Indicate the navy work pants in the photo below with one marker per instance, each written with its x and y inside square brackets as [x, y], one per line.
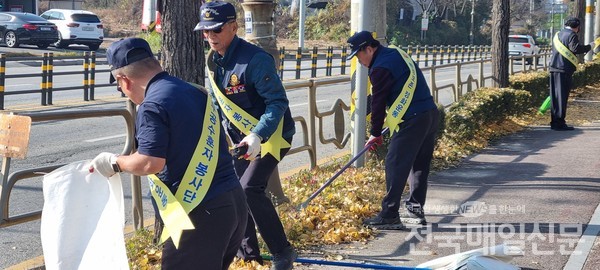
[254, 176]
[560, 87]
[409, 156]
[219, 229]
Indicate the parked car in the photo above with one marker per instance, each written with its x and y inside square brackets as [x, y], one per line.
[76, 27]
[521, 45]
[26, 28]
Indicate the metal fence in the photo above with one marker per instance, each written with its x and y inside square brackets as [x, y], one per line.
[332, 60]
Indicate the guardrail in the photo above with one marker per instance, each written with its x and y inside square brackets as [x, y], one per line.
[335, 59]
[8, 181]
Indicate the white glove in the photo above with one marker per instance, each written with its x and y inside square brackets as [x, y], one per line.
[253, 143]
[103, 164]
[593, 44]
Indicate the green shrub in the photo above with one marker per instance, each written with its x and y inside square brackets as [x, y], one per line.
[482, 107]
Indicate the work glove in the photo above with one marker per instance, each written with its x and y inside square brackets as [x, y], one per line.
[373, 142]
[103, 164]
[596, 48]
[253, 143]
[593, 44]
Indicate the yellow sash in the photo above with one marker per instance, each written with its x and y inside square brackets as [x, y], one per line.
[174, 209]
[244, 121]
[564, 51]
[398, 109]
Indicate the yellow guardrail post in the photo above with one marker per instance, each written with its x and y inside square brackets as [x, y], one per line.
[418, 51]
[298, 62]
[2, 79]
[344, 55]
[50, 72]
[434, 55]
[281, 60]
[329, 61]
[426, 52]
[455, 53]
[92, 81]
[313, 65]
[44, 79]
[86, 63]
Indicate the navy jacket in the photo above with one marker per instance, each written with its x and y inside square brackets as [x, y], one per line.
[559, 63]
[246, 74]
[388, 72]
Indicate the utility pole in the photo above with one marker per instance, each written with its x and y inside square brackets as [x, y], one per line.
[597, 21]
[365, 15]
[301, 23]
[589, 26]
[472, 22]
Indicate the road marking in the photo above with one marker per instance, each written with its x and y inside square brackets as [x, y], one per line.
[106, 138]
[585, 243]
[302, 104]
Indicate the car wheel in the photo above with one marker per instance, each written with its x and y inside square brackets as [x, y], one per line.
[43, 46]
[94, 47]
[60, 43]
[11, 39]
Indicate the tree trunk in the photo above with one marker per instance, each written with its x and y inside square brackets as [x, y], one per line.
[182, 47]
[500, 29]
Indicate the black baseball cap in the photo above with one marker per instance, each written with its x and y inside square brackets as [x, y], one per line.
[573, 22]
[125, 52]
[358, 41]
[214, 15]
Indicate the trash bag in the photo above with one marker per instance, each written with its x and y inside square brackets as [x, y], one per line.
[496, 257]
[82, 220]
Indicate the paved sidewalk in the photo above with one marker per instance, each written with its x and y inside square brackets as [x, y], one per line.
[538, 189]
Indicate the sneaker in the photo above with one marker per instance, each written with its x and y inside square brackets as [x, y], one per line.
[413, 217]
[284, 260]
[381, 223]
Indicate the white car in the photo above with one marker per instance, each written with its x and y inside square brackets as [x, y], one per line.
[520, 45]
[76, 27]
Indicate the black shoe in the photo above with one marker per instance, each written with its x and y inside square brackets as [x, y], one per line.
[284, 260]
[563, 127]
[413, 217]
[381, 223]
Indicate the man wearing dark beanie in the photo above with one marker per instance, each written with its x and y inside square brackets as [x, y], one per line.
[563, 64]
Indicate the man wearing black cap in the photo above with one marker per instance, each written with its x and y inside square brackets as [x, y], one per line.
[184, 153]
[563, 64]
[254, 105]
[413, 119]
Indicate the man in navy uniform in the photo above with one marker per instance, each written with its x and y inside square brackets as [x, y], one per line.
[254, 106]
[563, 63]
[413, 119]
[182, 149]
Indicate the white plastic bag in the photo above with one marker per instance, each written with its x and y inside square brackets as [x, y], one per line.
[495, 257]
[82, 220]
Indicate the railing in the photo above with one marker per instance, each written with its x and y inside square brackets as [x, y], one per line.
[333, 61]
[8, 181]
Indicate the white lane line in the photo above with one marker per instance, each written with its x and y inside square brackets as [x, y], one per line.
[106, 138]
[584, 246]
[303, 104]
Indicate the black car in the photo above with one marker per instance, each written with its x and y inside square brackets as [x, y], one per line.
[26, 28]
